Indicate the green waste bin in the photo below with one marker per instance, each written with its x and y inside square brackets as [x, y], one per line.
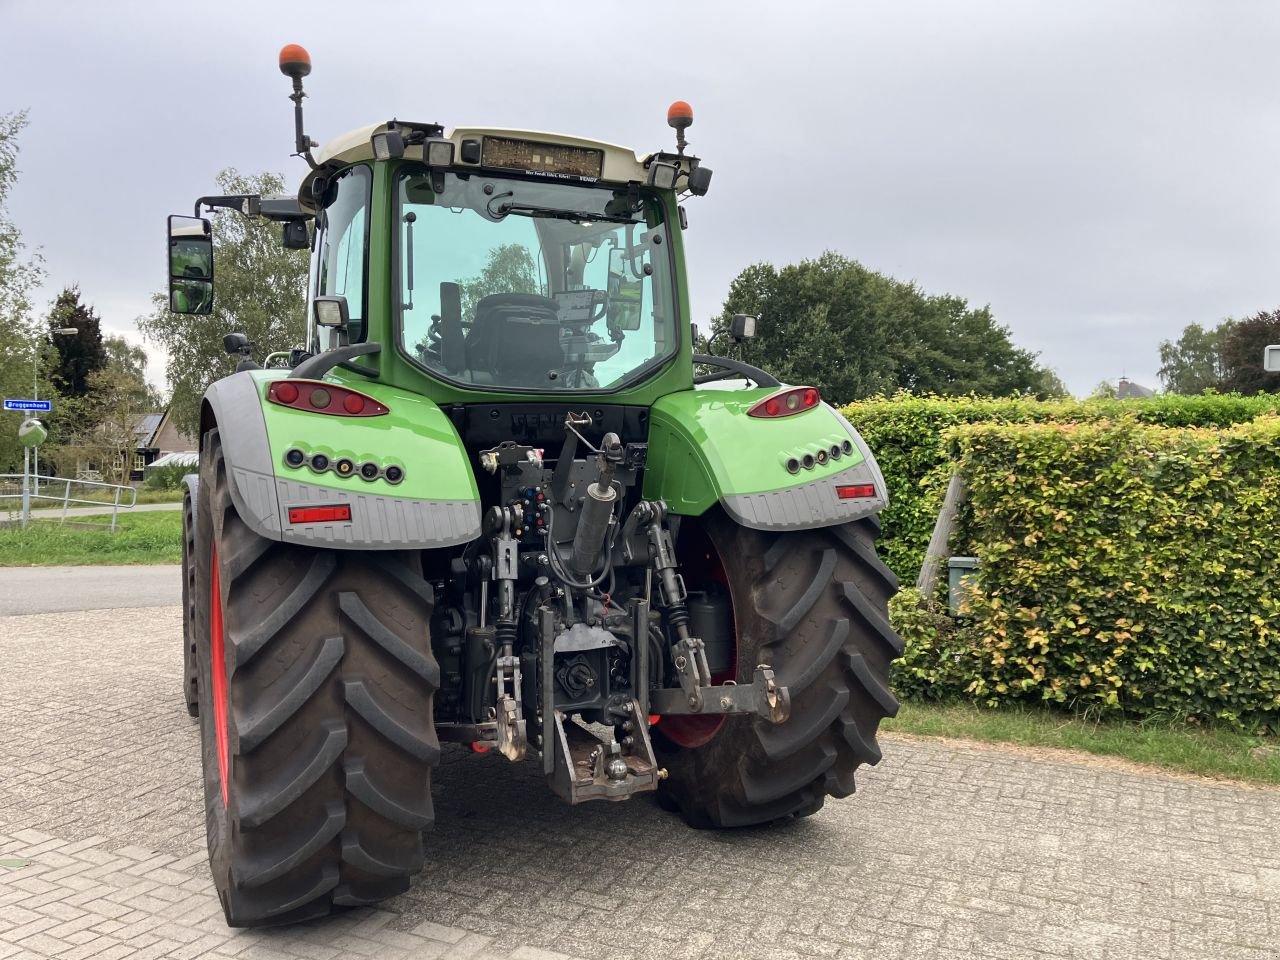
[962, 573]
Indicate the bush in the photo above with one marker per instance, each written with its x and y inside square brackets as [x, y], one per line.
[907, 435]
[937, 663]
[1125, 569]
[168, 477]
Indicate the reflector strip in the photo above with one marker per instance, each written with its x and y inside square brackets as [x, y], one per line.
[859, 491]
[338, 512]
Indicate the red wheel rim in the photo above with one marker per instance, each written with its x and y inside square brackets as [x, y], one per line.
[699, 556]
[218, 668]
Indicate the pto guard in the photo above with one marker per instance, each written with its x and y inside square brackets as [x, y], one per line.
[704, 449]
[436, 505]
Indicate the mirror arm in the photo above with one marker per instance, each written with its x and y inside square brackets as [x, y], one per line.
[244, 203]
[313, 368]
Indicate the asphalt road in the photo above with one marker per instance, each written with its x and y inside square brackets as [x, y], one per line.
[27, 590]
[947, 850]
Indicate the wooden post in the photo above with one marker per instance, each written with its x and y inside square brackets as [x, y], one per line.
[939, 543]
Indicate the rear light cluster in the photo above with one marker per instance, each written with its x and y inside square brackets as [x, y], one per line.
[344, 466]
[786, 403]
[819, 457]
[316, 396]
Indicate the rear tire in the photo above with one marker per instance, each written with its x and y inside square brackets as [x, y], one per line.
[814, 605]
[319, 786]
[190, 672]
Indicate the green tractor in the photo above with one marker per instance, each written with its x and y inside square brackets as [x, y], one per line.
[498, 500]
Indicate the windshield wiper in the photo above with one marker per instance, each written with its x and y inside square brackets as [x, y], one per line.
[554, 213]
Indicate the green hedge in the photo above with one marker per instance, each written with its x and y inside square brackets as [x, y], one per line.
[1125, 569]
[906, 434]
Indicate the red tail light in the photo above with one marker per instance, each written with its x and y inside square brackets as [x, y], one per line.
[316, 396]
[786, 402]
[337, 513]
[859, 491]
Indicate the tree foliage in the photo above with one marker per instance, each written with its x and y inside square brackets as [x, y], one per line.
[1226, 358]
[855, 333]
[1243, 343]
[510, 269]
[20, 274]
[1193, 363]
[260, 290]
[76, 356]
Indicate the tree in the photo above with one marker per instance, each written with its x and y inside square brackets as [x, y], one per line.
[1193, 363]
[20, 274]
[78, 355]
[1050, 386]
[260, 291]
[1241, 351]
[99, 426]
[510, 270]
[130, 361]
[852, 333]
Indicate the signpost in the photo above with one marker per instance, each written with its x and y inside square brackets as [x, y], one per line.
[29, 406]
[31, 433]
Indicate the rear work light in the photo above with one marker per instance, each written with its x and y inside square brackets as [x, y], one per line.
[331, 514]
[786, 402]
[316, 396]
[859, 491]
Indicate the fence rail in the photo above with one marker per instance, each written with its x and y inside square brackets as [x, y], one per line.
[56, 491]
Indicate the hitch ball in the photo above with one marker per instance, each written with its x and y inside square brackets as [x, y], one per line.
[616, 768]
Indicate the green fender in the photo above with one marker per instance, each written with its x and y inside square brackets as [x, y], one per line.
[435, 504]
[704, 449]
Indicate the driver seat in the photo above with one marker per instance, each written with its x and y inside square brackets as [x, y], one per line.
[516, 336]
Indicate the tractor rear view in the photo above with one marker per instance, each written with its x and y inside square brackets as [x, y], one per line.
[488, 502]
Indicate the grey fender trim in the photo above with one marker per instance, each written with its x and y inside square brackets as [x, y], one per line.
[813, 504]
[251, 476]
[192, 482]
[263, 500]
[378, 522]
[809, 505]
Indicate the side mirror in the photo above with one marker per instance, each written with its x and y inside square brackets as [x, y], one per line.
[699, 181]
[190, 265]
[626, 292]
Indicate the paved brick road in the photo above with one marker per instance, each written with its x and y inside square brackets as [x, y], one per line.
[946, 852]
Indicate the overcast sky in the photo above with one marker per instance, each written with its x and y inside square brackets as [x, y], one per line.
[1100, 172]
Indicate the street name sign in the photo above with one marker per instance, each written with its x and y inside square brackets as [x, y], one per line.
[44, 406]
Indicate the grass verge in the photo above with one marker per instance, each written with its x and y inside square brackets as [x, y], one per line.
[1212, 752]
[139, 538]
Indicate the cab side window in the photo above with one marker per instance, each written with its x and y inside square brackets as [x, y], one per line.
[344, 246]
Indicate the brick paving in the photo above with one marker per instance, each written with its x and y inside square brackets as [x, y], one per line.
[947, 851]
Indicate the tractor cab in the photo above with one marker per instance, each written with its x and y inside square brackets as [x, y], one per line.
[465, 260]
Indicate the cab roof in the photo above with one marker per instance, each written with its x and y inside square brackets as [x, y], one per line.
[621, 164]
